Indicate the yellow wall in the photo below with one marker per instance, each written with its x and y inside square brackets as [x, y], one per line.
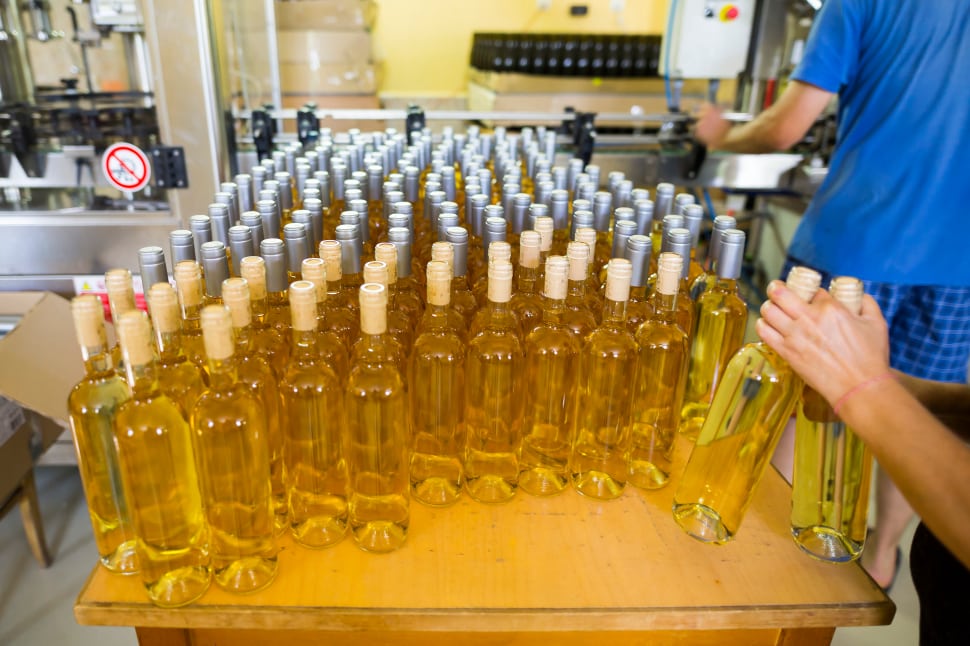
[424, 45]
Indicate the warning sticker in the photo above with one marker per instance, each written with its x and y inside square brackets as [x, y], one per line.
[126, 167]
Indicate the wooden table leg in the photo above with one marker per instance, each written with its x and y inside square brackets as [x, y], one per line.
[33, 525]
[806, 636]
[163, 637]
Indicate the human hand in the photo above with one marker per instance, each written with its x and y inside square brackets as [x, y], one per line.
[711, 128]
[832, 349]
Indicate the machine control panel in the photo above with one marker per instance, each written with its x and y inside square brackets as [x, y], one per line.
[707, 39]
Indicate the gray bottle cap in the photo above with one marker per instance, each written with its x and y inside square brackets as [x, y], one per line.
[406, 208]
[375, 178]
[581, 220]
[311, 192]
[520, 209]
[613, 179]
[448, 182]
[458, 238]
[594, 174]
[448, 207]
[582, 205]
[643, 211]
[302, 216]
[693, 217]
[400, 237]
[677, 241]
[201, 227]
[258, 174]
[391, 196]
[559, 178]
[151, 264]
[229, 195]
[495, 231]
[681, 200]
[623, 196]
[315, 207]
[313, 160]
[349, 217]
[485, 178]
[350, 248]
[664, 201]
[585, 191]
[395, 220]
[360, 206]
[575, 168]
[323, 177]
[537, 210]
[244, 183]
[219, 219]
[270, 217]
[721, 223]
[639, 194]
[624, 213]
[273, 252]
[216, 267]
[240, 244]
[338, 175]
[182, 243]
[446, 220]
[285, 189]
[411, 185]
[638, 251]
[622, 231]
[476, 214]
[559, 208]
[673, 221]
[731, 254]
[253, 220]
[602, 204]
[297, 246]
[433, 206]
[360, 176]
[544, 191]
[303, 172]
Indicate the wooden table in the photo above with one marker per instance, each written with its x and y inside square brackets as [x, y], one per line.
[565, 568]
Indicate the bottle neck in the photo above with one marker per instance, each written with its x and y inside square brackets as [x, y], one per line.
[170, 346]
[97, 361]
[223, 373]
[727, 285]
[527, 279]
[304, 342]
[259, 311]
[576, 289]
[665, 304]
[244, 339]
[614, 312]
[142, 379]
[552, 309]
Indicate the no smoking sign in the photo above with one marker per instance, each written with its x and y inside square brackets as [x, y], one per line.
[126, 167]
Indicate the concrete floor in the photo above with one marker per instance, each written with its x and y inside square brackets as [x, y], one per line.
[36, 604]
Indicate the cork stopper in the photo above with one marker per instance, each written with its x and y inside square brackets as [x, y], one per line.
[235, 294]
[121, 291]
[386, 252]
[163, 303]
[529, 247]
[619, 272]
[375, 271]
[445, 252]
[578, 254]
[315, 271]
[329, 250]
[373, 308]
[545, 227]
[135, 336]
[188, 279]
[217, 332]
[88, 315]
[586, 235]
[848, 291]
[439, 283]
[804, 282]
[253, 269]
[500, 282]
[499, 251]
[669, 267]
[303, 306]
[557, 270]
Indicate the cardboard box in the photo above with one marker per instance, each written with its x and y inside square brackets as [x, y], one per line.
[40, 362]
[329, 78]
[343, 15]
[322, 47]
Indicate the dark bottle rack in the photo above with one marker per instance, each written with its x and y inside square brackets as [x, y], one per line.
[591, 55]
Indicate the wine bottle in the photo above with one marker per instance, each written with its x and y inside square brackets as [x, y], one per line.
[314, 464]
[92, 406]
[830, 484]
[639, 308]
[493, 397]
[179, 378]
[604, 394]
[749, 411]
[377, 434]
[526, 304]
[231, 449]
[720, 317]
[269, 342]
[339, 315]
[399, 338]
[659, 383]
[709, 278]
[159, 478]
[549, 387]
[215, 269]
[578, 317]
[405, 301]
[188, 283]
[151, 265]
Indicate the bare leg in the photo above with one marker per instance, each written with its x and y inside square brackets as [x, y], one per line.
[893, 514]
[784, 458]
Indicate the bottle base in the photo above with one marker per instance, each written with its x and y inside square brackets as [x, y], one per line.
[248, 574]
[540, 481]
[701, 522]
[436, 492]
[179, 587]
[380, 536]
[647, 475]
[598, 485]
[690, 427]
[319, 532]
[826, 544]
[490, 489]
[124, 560]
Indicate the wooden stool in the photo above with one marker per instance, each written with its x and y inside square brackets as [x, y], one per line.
[26, 496]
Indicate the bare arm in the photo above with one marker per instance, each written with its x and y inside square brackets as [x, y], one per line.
[950, 403]
[835, 352]
[778, 128]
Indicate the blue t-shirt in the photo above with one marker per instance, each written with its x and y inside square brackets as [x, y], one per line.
[895, 207]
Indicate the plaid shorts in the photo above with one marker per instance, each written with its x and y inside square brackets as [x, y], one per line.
[929, 326]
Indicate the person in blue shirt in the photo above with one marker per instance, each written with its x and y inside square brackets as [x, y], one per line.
[894, 206]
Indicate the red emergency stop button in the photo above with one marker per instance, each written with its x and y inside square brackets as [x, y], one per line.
[729, 12]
